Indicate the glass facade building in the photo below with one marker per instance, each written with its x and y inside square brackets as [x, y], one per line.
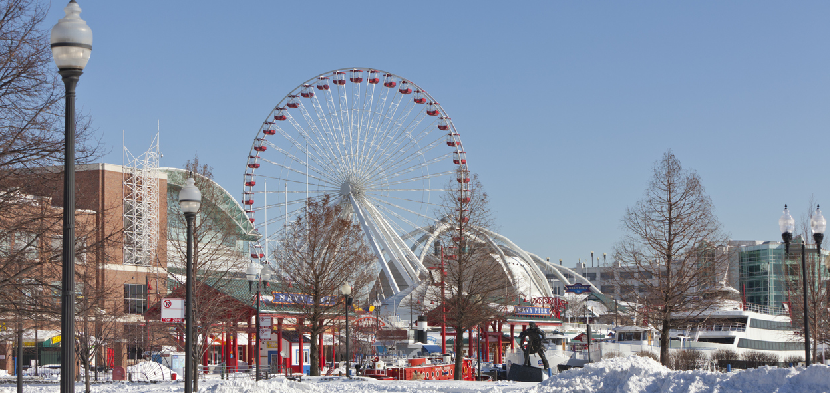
[766, 275]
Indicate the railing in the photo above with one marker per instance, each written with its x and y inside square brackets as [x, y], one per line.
[740, 327]
[595, 327]
[765, 309]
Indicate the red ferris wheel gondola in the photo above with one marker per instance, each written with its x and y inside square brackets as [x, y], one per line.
[307, 91]
[453, 139]
[356, 76]
[432, 109]
[418, 97]
[389, 81]
[281, 114]
[338, 78]
[293, 102]
[374, 77]
[323, 83]
[405, 88]
[253, 162]
[444, 123]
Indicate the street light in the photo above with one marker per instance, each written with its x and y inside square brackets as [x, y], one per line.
[256, 272]
[346, 290]
[190, 199]
[377, 304]
[818, 225]
[71, 41]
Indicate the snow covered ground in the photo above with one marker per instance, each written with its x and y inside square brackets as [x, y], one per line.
[618, 375]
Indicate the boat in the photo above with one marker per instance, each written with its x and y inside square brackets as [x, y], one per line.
[730, 324]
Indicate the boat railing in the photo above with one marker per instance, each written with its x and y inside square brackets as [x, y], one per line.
[761, 309]
[735, 327]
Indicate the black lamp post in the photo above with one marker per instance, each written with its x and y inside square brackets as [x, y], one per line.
[346, 290]
[256, 272]
[818, 225]
[190, 199]
[71, 41]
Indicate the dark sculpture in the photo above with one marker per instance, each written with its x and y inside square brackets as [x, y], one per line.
[534, 345]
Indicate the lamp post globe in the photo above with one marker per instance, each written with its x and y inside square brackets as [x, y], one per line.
[818, 224]
[346, 289]
[71, 42]
[787, 225]
[266, 273]
[190, 199]
[71, 39]
[251, 272]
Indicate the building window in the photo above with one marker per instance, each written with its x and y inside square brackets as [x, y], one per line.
[135, 298]
[607, 276]
[592, 276]
[626, 275]
[607, 289]
[27, 243]
[646, 275]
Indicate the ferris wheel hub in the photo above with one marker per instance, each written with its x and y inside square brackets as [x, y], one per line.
[351, 186]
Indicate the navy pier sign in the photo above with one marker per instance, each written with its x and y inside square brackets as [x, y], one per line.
[578, 288]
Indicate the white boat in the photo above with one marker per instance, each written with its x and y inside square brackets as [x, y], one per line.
[730, 325]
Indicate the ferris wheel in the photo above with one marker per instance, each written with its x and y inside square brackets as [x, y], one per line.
[378, 143]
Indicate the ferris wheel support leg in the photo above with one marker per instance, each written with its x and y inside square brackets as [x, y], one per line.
[384, 266]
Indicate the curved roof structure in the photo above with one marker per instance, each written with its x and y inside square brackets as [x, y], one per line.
[221, 198]
[527, 271]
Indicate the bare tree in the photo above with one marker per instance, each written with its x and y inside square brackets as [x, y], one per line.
[31, 136]
[218, 261]
[320, 251]
[671, 248]
[97, 321]
[473, 288]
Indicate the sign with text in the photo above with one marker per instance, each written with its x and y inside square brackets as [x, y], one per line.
[525, 310]
[578, 288]
[392, 335]
[172, 310]
[298, 298]
[265, 332]
[265, 321]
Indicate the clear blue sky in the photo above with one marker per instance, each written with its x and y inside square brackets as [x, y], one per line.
[563, 106]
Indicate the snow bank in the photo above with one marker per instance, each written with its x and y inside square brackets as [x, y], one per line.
[642, 374]
[149, 371]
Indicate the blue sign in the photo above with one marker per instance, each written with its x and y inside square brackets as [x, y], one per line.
[578, 288]
[525, 310]
[296, 298]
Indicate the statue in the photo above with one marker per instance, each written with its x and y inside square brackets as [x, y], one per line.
[534, 345]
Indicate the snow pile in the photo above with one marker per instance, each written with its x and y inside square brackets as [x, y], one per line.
[642, 374]
[149, 371]
[280, 385]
